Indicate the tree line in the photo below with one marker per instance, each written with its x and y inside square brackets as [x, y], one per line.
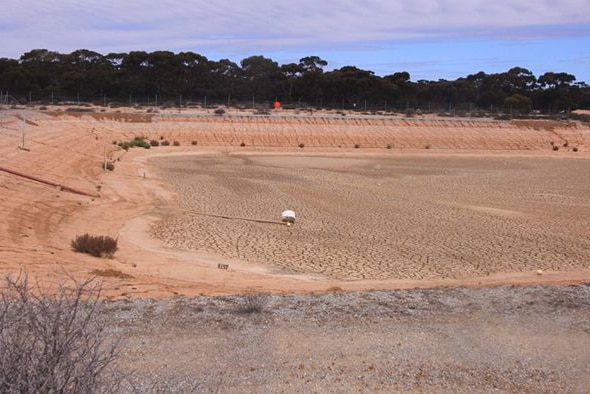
[164, 77]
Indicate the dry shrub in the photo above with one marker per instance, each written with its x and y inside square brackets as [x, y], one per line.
[95, 245]
[252, 303]
[55, 342]
[110, 273]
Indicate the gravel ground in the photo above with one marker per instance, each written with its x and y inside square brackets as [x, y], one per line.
[504, 339]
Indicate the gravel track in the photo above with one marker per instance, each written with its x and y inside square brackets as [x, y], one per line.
[504, 339]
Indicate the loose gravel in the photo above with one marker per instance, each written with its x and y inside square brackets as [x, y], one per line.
[504, 339]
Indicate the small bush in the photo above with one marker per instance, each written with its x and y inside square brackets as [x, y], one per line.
[252, 303]
[219, 111]
[389, 146]
[176, 143]
[302, 145]
[140, 143]
[575, 148]
[165, 143]
[356, 146]
[97, 246]
[193, 142]
[108, 166]
[555, 148]
[243, 144]
[427, 147]
[154, 143]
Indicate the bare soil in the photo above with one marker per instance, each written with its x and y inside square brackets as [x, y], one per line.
[454, 206]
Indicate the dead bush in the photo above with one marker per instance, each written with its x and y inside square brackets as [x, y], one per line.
[95, 245]
[55, 342]
[252, 303]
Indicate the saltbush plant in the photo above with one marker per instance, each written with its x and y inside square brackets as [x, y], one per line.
[95, 245]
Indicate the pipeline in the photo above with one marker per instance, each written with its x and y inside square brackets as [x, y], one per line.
[48, 182]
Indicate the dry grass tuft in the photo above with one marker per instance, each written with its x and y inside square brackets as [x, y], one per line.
[110, 273]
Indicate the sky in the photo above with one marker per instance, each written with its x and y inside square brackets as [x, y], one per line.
[430, 39]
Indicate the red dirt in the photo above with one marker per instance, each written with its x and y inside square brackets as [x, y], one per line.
[69, 150]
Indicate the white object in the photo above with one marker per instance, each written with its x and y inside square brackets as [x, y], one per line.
[288, 216]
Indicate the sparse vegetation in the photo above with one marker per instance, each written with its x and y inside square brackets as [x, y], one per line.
[55, 342]
[165, 143]
[137, 141]
[110, 273]
[301, 145]
[252, 303]
[555, 148]
[193, 142]
[108, 166]
[356, 146]
[141, 143]
[575, 149]
[219, 111]
[95, 245]
[242, 144]
[176, 143]
[154, 143]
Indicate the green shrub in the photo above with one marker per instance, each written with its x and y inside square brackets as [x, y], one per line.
[140, 143]
[95, 245]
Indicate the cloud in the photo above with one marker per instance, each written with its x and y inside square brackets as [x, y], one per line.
[237, 29]
[332, 21]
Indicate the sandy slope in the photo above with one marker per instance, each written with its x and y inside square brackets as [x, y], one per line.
[68, 149]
